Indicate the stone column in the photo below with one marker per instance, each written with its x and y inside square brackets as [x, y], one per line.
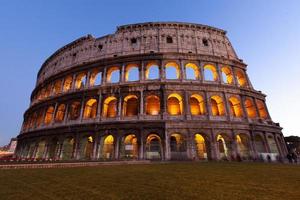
[201, 68]
[104, 75]
[245, 114]
[235, 81]
[162, 73]
[66, 113]
[256, 108]
[54, 113]
[122, 74]
[266, 143]
[164, 102]
[82, 109]
[99, 108]
[117, 144]
[141, 147]
[88, 74]
[187, 105]
[254, 152]
[95, 144]
[142, 72]
[213, 146]
[219, 73]
[73, 82]
[167, 146]
[207, 106]
[234, 146]
[119, 116]
[141, 114]
[227, 109]
[182, 71]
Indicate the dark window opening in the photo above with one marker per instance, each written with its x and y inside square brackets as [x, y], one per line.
[133, 40]
[100, 46]
[205, 42]
[169, 39]
[74, 54]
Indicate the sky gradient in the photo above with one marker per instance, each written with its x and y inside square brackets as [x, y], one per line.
[264, 33]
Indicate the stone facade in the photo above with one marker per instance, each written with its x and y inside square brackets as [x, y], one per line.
[208, 110]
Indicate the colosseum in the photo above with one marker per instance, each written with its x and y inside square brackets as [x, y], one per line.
[150, 91]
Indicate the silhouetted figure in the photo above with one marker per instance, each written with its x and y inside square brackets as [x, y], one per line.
[289, 157]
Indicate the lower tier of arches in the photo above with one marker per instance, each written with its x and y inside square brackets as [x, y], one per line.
[152, 143]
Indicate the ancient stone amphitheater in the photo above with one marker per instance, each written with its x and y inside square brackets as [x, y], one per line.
[163, 91]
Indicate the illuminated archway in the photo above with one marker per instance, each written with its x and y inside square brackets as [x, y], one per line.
[227, 75]
[217, 106]
[108, 147]
[132, 72]
[152, 105]
[153, 147]
[250, 108]
[57, 87]
[241, 78]
[86, 148]
[200, 143]
[191, 71]
[49, 115]
[113, 75]
[197, 105]
[90, 109]
[175, 104]
[172, 70]
[110, 107]
[80, 81]
[129, 147]
[60, 113]
[68, 148]
[243, 145]
[224, 146]
[261, 109]
[235, 107]
[152, 71]
[130, 106]
[67, 83]
[210, 73]
[95, 78]
[47, 90]
[177, 146]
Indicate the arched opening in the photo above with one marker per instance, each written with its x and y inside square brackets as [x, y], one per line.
[272, 144]
[261, 109]
[217, 106]
[235, 107]
[80, 81]
[95, 78]
[200, 143]
[49, 115]
[67, 83]
[108, 147]
[172, 70]
[259, 144]
[191, 71]
[250, 108]
[152, 105]
[57, 87]
[132, 72]
[129, 147]
[40, 149]
[48, 90]
[53, 148]
[241, 78]
[60, 113]
[178, 147]
[224, 146]
[197, 105]
[74, 112]
[68, 148]
[153, 147]
[110, 107]
[90, 109]
[243, 146]
[175, 104]
[130, 106]
[31, 150]
[210, 73]
[39, 120]
[86, 148]
[152, 71]
[32, 122]
[113, 75]
[227, 75]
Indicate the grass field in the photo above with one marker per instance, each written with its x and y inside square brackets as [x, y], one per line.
[155, 181]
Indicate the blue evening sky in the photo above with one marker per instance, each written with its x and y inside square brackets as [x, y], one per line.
[264, 33]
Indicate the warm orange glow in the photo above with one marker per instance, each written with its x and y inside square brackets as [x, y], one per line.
[211, 69]
[217, 106]
[235, 107]
[94, 76]
[175, 106]
[200, 146]
[250, 108]
[80, 81]
[191, 67]
[110, 107]
[130, 69]
[241, 78]
[67, 83]
[130, 105]
[152, 71]
[57, 87]
[49, 115]
[90, 110]
[131, 146]
[197, 105]
[109, 73]
[261, 109]
[242, 144]
[75, 110]
[227, 73]
[152, 105]
[60, 113]
[47, 91]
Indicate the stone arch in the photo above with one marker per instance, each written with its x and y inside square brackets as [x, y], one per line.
[243, 145]
[175, 104]
[250, 108]
[90, 109]
[227, 75]
[154, 149]
[178, 146]
[210, 73]
[129, 147]
[95, 78]
[259, 144]
[130, 106]
[241, 78]
[224, 146]
[272, 144]
[80, 80]
[113, 75]
[53, 146]
[132, 72]
[108, 147]
[261, 109]
[86, 147]
[74, 111]
[68, 148]
[172, 70]
[47, 90]
[49, 115]
[57, 87]
[217, 105]
[60, 113]
[41, 147]
[110, 107]
[152, 105]
[235, 107]
[197, 105]
[201, 146]
[152, 71]
[67, 83]
[192, 71]
[39, 119]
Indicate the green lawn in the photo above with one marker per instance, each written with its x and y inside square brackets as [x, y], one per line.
[155, 181]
